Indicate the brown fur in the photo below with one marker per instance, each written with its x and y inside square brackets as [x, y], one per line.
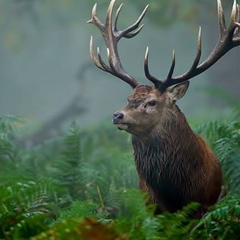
[142, 90]
[175, 165]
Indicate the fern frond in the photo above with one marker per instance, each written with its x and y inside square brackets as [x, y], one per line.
[12, 126]
[222, 222]
[68, 168]
[24, 200]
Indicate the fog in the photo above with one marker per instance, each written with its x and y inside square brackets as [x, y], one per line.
[47, 77]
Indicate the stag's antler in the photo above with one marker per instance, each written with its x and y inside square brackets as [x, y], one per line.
[111, 36]
[229, 38]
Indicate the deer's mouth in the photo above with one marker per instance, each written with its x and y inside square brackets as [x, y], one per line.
[122, 126]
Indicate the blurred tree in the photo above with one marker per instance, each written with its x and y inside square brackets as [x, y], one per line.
[54, 126]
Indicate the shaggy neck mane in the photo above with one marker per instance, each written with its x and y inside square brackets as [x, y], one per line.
[165, 147]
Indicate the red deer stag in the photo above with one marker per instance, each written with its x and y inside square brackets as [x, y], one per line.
[175, 166]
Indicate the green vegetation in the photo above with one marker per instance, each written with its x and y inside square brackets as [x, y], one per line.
[84, 186]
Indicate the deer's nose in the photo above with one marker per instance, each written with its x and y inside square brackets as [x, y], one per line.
[117, 116]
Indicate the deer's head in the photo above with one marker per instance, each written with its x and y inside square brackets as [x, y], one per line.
[150, 106]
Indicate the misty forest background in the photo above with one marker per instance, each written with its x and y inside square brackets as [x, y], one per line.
[65, 171]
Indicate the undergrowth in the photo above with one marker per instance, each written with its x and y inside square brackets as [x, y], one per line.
[85, 186]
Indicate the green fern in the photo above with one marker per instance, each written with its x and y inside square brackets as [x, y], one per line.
[223, 222]
[68, 168]
[21, 201]
[83, 184]
[224, 137]
[78, 209]
[11, 126]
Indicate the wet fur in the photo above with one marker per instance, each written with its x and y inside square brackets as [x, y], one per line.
[176, 166]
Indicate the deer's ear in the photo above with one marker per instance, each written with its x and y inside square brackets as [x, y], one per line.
[178, 91]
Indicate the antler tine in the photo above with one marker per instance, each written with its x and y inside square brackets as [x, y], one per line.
[127, 32]
[94, 20]
[169, 81]
[233, 32]
[116, 16]
[172, 81]
[108, 22]
[103, 64]
[229, 38]
[172, 66]
[93, 57]
[198, 55]
[238, 16]
[157, 83]
[99, 61]
[133, 34]
[111, 36]
[221, 18]
[233, 19]
[236, 34]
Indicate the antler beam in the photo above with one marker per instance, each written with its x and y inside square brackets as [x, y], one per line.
[111, 36]
[229, 38]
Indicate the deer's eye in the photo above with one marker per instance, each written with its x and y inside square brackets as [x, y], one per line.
[152, 103]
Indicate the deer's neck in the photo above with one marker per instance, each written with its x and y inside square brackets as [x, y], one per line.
[171, 143]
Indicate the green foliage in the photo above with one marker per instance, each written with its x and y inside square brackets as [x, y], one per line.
[9, 126]
[222, 222]
[25, 206]
[69, 165]
[84, 186]
[78, 209]
[224, 136]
